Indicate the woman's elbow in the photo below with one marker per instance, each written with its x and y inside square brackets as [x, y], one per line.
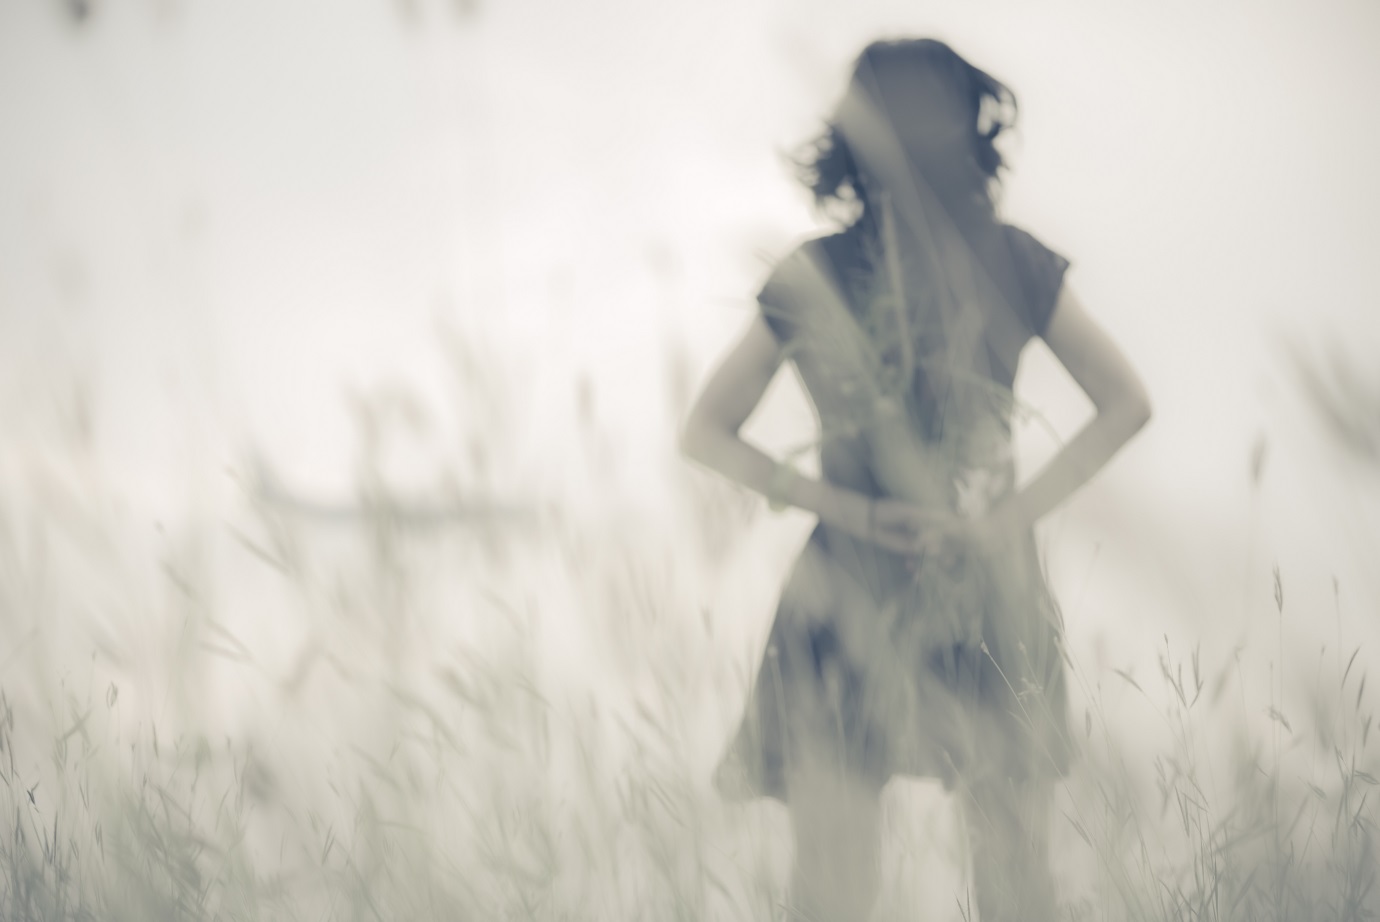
[695, 440]
[1128, 412]
[1137, 411]
[688, 443]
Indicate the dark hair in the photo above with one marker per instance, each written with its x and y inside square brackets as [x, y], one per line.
[963, 172]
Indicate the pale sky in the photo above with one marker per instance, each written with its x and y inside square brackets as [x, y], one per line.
[222, 217]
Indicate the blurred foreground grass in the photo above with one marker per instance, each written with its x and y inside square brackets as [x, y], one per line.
[274, 719]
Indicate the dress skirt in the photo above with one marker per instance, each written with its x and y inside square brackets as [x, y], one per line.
[947, 669]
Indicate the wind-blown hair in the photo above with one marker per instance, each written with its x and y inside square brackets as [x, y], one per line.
[966, 110]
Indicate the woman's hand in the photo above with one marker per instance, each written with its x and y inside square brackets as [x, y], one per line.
[899, 526]
[907, 528]
[919, 532]
[889, 524]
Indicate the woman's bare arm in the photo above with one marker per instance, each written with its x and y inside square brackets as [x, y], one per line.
[710, 435]
[1123, 408]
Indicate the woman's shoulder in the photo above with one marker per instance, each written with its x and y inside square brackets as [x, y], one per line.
[800, 260]
[1039, 271]
[1027, 247]
[819, 259]
[833, 253]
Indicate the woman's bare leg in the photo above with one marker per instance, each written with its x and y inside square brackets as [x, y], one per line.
[1008, 831]
[837, 826]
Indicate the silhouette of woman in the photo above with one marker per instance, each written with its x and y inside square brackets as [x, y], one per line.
[915, 634]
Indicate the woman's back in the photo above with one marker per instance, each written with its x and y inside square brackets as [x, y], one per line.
[915, 634]
[821, 304]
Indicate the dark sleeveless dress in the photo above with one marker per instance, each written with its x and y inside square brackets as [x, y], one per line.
[953, 670]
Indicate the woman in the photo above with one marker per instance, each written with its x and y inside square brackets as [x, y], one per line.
[915, 634]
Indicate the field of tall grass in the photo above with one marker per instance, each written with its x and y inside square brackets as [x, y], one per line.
[278, 703]
[380, 711]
